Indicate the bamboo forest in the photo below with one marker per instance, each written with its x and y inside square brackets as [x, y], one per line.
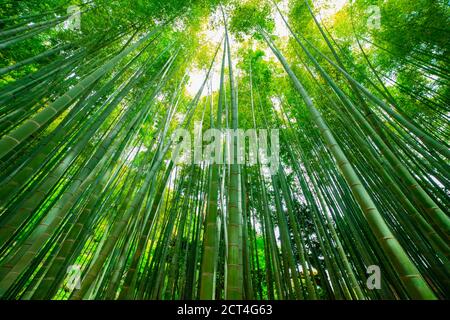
[111, 188]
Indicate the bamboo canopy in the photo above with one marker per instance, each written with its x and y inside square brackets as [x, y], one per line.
[96, 112]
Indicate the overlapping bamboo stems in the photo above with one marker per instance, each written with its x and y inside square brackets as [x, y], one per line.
[346, 118]
[430, 206]
[32, 167]
[120, 225]
[50, 221]
[211, 235]
[409, 274]
[27, 128]
[437, 242]
[280, 186]
[234, 257]
[81, 144]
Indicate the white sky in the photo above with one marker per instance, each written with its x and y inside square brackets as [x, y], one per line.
[329, 7]
[196, 78]
[280, 27]
[212, 35]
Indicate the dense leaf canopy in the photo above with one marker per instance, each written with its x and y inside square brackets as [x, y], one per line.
[93, 204]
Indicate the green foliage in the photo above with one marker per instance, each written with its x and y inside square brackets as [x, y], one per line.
[88, 117]
[248, 16]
